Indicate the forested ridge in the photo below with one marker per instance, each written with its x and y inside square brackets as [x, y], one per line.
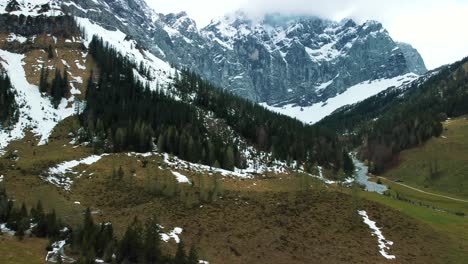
[396, 120]
[122, 114]
[286, 138]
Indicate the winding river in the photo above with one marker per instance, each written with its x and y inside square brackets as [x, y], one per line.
[362, 178]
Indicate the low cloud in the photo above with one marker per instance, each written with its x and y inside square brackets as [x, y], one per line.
[434, 27]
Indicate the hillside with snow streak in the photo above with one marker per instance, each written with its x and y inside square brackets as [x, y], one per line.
[36, 112]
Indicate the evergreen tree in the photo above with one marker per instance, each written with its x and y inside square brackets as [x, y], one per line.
[7, 101]
[193, 256]
[228, 163]
[43, 82]
[50, 52]
[131, 245]
[180, 256]
[56, 90]
[348, 165]
[152, 240]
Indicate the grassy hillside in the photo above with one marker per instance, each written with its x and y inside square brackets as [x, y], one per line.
[259, 220]
[449, 154]
[28, 251]
[453, 229]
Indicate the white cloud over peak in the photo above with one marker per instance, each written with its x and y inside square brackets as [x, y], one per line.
[434, 27]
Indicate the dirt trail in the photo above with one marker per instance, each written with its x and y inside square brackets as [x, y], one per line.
[433, 194]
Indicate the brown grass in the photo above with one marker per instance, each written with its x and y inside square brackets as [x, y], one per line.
[28, 251]
[267, 223]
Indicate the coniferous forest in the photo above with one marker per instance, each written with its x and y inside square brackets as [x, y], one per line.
[122, 114]
[7, 101]
[389, 123]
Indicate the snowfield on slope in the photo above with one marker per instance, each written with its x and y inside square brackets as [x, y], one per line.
[316, 112]
[127, 47]
[36, 112]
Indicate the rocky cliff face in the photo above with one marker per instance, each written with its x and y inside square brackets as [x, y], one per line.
[303, 60]
[276, 59]
[413, 58]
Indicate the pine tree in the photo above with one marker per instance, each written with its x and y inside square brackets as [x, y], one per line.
[64, 85]
[193, 256]
[131, 245]
[120, 173]
[152, 240]
[57, 86]
[348, 165]
[7, 101]
[40, 230]
[50, 52]
[43, 82]
[216, 164]
[180, 256]
[228, 163]
[23, 225]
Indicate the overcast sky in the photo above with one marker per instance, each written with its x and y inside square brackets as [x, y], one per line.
[435, 27]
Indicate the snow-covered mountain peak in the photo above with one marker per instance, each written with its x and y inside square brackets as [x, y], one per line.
[181, 22]
[278, 59]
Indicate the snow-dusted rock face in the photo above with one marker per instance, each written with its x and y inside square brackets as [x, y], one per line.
[279, 60]
[304, 60]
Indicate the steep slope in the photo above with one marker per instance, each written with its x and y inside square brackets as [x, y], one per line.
[150, 106]
[277, 59]
[407, 116]
[356, 93]
[303, 60]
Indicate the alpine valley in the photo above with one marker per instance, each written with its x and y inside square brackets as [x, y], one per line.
[132, 136]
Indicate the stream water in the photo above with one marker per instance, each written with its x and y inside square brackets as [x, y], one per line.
[363, 179]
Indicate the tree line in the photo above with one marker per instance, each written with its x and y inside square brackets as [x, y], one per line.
[36, 221]
[286, 138]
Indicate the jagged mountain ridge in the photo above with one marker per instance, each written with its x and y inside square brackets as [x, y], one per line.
[281, 61]
[278, 59]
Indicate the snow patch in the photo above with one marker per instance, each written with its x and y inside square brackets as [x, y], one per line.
[4, 229]
[383, 243]
[57, 175]
[13, 37]
[57, 247]
[316, 112]
[174, 234]
[35, 111]
[180, 178]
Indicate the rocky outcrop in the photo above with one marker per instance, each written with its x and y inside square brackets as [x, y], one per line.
[413, 58]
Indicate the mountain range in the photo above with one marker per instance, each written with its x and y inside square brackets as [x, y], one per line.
[276, 59]
[248, 140]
